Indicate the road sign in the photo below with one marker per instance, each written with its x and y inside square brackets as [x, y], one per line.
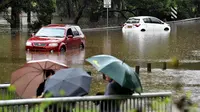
[107, 3]
[174, 12]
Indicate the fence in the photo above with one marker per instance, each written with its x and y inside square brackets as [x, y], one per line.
[148, 102]
[5, 93]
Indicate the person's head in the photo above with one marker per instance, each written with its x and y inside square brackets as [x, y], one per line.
[48, 73]
[107, 78]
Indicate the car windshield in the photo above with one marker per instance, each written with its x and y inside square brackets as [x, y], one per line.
[51, 32]
[133, 20]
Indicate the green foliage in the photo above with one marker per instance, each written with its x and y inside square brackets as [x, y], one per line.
[174, 62]
[11, 88]
[4, 4]
[162, 103]
[94, 10]
[54, 3]
[188, 94]
[83, 110]
[33, 4]
[9, 95]
[48, 95]
[62, 92]
[133, 110]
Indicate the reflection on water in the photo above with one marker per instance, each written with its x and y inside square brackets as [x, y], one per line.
[107, 44]
[148, 45]
[74, 57]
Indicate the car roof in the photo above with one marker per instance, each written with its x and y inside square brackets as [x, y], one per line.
[141, 17]
[59, 25]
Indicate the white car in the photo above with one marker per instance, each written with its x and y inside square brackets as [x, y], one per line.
[145, 23]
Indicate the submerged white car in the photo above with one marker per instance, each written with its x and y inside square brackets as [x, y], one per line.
[145, 23]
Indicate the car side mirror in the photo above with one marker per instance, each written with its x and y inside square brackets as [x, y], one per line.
[70, 36]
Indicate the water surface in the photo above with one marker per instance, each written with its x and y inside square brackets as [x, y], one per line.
[134, 48]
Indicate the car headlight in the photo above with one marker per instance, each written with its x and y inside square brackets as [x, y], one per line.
[28, 44]
[53, 44]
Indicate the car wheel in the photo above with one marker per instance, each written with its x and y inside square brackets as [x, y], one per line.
[166, 29]
[143, 30]
[81, 46]
[62, 49]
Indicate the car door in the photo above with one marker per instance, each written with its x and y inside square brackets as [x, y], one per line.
[158, 24]
[70, 39]
[77, 38]
[147, 24]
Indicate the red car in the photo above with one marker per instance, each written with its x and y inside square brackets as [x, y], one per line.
[56, 37]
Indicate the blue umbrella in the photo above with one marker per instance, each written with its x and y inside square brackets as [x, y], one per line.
[117, 70]
[68, 82]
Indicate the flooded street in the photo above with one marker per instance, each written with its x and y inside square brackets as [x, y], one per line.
[134, 48]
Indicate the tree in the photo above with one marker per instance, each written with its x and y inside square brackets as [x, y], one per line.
[16, 7]
[14, 19]
[45, 9]
[93, 10]
[72, 8]
[4, 4]
[28, 7]
[157, 8]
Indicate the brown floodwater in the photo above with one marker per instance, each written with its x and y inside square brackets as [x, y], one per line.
[134, 48]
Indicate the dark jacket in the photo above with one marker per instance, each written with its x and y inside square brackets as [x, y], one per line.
[54, 107]
[113, 88]
[40, 88]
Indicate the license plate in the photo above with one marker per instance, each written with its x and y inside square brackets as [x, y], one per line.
[129, 26]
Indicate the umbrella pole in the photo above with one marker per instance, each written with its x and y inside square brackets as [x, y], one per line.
[44, 74]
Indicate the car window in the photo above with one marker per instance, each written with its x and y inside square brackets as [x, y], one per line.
[147, 20]
[75, 32]
[69, 32]
[155, 20]
[133, 20]
[79, 30]
[51, 32]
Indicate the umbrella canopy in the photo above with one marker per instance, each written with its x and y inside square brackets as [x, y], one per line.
[117, 70]
[27, 79]
[69, 82]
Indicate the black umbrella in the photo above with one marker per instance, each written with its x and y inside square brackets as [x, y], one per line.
[68, 82]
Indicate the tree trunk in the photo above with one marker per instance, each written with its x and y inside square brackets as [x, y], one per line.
[29, 18]
[68, 9]
[15, 18]
[79, 14]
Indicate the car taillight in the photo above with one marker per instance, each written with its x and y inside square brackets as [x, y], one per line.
[137, 25]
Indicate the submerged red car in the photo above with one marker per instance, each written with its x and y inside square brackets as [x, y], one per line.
[56, 37]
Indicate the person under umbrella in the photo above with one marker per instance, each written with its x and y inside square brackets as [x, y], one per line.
[27, 78]
[122, 79]
[40, 90]
[113, 88]
[118, 70]
[66, 83]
